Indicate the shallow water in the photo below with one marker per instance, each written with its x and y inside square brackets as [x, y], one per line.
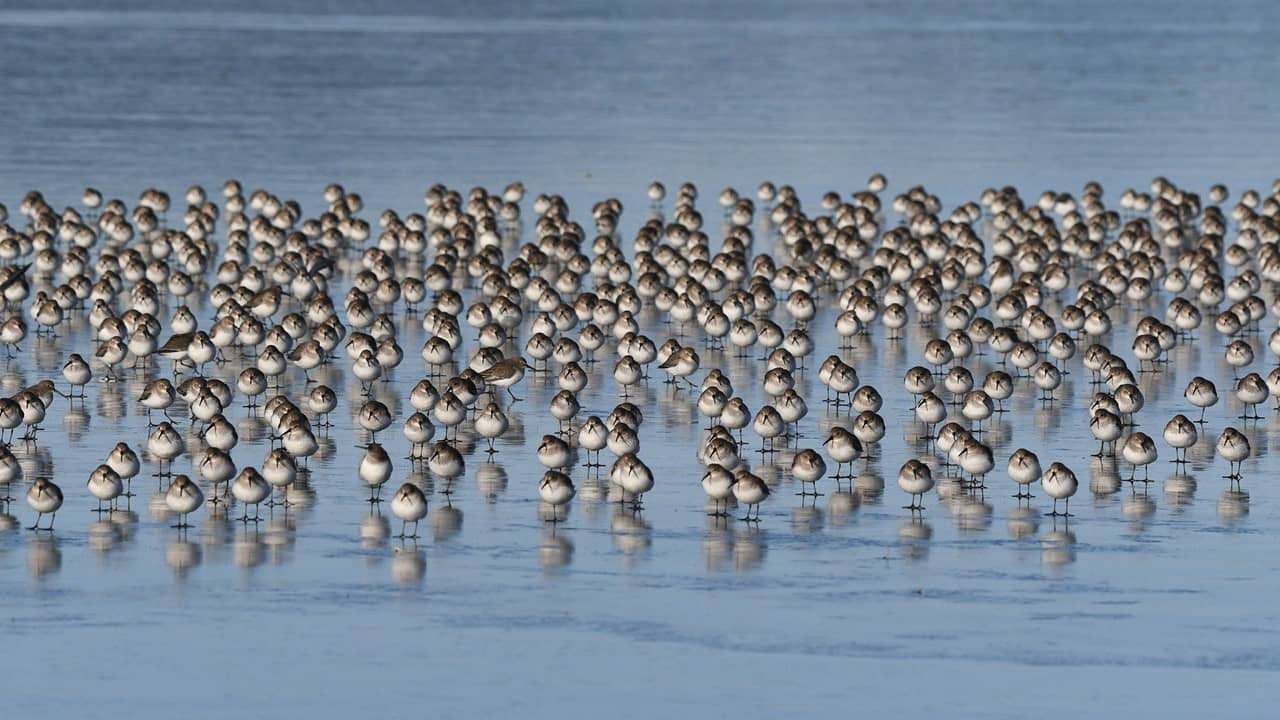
[1155, 599]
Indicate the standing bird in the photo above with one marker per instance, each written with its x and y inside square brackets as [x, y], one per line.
[166, 444]
[1201, 393]
[915, 478]
[217, 467]
[78, 374]
[1060, 483]
[808, 467]
[750, 490]
[1233, 446]
[280, 470]
[1024, 469]
[593, 437]
[105, 484]
[250, 488]
[633, 476]
[125, 462]
[553, 452]
[1180, 433]
[490, 424]
[681, 364]
[45, 498]
[183, 497]
[843, 447]
[506, 373]
[1139, 449]
[717, 483]
[555, 489]
[375, 470]
[410, 505]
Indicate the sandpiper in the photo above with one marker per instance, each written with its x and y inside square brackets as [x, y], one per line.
[45, 498]
[506, 374]
[183, 498]
[410, 505]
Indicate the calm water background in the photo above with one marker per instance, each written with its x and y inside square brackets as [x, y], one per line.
[1160, 602]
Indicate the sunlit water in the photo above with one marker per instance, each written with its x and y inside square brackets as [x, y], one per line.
[976, 608]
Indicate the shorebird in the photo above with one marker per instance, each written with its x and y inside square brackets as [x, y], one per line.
[77, 373]
[410, 505]
[1059, 483]
[717, 483]
[216, 467]
[633, 476]
[915, 479]
[1233, 446]
[1024, 469]
[843, 447]
[419, 431]
[808, 467]
[1201, 393]
[124, 461]
[506, 374]
[555, 489]
[45, 498]
[1251, 390]
[280, 470]
[869, 428]
[183, 498]
[750, 490]
[1139, 449]
[250, 488]
[158, 394]
[768, 424]
[681, 364]
[175, 349]
[1106, 427]
[446, 462]
[1180, 433]
[166, 444]
[375, 470]
[105, 484]
[554, 453]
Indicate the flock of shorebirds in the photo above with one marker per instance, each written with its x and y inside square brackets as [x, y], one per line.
[1037, 283]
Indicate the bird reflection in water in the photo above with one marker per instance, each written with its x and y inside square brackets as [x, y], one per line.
[914, 536]
[841, 507]
[1138, 508]
[717, 543]
[869, 487]
[1023, 522]
[75, 423]
[806, 519]
[216, 531]
[44, 556]
[375, 528]
[182, 556]
[104, 536]
[1057, 547]
[408, 564]
[1180, 491]
[279, 536]
[555, 550]
[1104, 480]
[631, 533]
[491, 480]
[445, 522]
[749, 548]
[247, 549]
[972, 514]
[553, 514]
[1233, 506]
